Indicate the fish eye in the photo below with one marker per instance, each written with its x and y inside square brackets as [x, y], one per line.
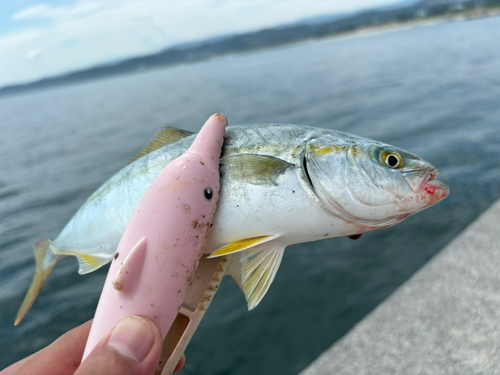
[208, 194]
[391, 159]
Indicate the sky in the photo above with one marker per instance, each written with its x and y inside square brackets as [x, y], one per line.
[45, 38]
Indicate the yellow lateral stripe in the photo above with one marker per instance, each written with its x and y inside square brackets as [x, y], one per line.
[323, 150]
[240, 245]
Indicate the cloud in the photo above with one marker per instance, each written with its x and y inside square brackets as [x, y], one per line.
[32, 53]
[13, 41]
[43, 11]
[90, 32]
[36, 11]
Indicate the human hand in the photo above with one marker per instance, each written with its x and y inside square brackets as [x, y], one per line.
[133, 347]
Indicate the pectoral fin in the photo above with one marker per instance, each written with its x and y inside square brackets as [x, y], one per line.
[254, 270]
[256, 169]
[164, 136]
[241, 245]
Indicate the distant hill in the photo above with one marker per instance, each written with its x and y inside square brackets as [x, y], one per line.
[313, 28]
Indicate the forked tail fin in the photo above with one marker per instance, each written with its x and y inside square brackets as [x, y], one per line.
[46, 260]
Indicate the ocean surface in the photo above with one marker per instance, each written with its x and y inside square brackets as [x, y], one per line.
[434, 91]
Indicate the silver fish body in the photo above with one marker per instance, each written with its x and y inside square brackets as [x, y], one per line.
[247, 207]
[280, 185]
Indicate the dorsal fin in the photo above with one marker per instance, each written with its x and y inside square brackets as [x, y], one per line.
[164, 136]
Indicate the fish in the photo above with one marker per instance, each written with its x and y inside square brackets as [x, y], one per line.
[281, 184]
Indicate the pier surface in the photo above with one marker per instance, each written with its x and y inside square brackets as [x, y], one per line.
[443, 320]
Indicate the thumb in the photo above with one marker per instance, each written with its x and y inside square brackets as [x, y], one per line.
[133, 347]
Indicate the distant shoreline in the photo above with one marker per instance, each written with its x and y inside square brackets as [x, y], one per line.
[414, 23]
[363, 24]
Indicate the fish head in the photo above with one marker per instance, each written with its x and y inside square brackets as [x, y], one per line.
[369, 183]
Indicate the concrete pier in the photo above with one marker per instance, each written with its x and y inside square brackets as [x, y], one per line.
[444, 320]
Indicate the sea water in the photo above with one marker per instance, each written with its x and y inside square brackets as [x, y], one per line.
[433, 91]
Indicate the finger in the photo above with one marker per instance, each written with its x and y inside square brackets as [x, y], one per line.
[62, 357]
[181, 363]
[133, 347]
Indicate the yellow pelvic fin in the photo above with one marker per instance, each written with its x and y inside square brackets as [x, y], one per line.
[46, 260]
[241, 245]
[164, 136]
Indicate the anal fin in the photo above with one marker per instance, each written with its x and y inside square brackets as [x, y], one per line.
[255, 269]
[88, 261]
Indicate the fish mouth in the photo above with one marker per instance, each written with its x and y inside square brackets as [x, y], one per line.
[419, 178]
[435, 190]
[430, 176]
